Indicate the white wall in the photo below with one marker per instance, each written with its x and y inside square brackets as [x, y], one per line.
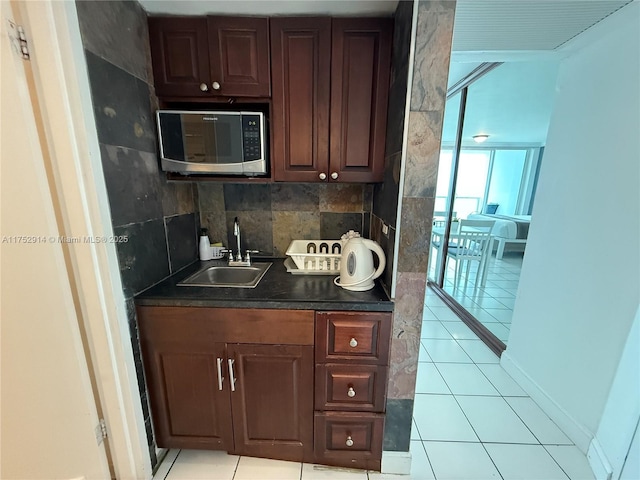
[622, 411]
[580, 283]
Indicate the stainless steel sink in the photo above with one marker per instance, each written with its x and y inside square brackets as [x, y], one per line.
[225, 276]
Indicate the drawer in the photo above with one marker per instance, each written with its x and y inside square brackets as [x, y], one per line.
[350, 387]
[349, 439]
[360, 336]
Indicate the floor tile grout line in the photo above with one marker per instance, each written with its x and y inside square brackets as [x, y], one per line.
[173, 463]
[424, 448]
[557, 463]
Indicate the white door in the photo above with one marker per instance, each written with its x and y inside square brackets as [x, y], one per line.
[48, 407]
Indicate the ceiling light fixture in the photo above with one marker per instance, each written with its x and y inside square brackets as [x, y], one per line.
[480, 138]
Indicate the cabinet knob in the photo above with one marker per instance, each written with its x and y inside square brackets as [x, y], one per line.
[334, 175]
[203, 87]
[351, 392]
[349, 442]
[215, 85]
[353, 343]
[323, 176]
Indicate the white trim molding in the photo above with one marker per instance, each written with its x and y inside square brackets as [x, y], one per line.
[577, 432]
[397, 463]
[598, 461]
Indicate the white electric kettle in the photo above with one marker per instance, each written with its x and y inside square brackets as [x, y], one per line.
[356, 264]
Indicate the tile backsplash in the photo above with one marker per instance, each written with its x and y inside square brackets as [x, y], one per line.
[272, 215]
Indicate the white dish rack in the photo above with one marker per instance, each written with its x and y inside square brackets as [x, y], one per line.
[315, 256]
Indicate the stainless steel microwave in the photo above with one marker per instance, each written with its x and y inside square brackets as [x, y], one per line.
[225, 143]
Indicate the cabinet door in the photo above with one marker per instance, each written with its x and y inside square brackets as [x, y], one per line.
[180, 56]
[189, 395]
[300, 63]
[239, 56]
[272, 400]
[360, 64]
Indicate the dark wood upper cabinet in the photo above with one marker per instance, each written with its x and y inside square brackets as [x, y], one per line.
[300, 68]
[210, 57]
[330, 86]
[180, 56]
[360, 65]
[239, 56]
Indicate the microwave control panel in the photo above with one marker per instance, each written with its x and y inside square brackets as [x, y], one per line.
[252, 137]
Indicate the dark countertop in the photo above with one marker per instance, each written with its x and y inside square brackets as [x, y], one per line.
[277, 289]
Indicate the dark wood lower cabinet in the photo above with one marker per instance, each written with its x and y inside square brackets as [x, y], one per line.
[248, 399]
[349, 439]
[272, 401]
[248, 381]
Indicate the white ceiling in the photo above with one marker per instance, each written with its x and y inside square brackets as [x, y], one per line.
[525, 25]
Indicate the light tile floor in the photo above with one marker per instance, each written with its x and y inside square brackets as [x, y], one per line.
[492, 304]
[471, 422]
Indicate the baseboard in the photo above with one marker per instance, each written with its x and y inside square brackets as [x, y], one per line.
[398, 463]
[598, 461]
[573, 429]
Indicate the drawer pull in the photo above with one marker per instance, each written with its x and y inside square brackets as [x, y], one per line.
[351, 392]
[353, 343]
[349, 442]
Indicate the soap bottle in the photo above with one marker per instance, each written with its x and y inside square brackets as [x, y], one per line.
[206, 252]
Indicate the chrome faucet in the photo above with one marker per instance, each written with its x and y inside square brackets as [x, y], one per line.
[236, 232]
[239, 261]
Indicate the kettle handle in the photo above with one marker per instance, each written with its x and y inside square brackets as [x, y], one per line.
[377, 249]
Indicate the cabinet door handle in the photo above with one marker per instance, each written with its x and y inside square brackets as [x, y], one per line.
[204, 87]
[349, 442]
[215, 85]
[220, 377]
[232, 377]
[353, 343]
[323, 176]
[350, 393]
[334, 175]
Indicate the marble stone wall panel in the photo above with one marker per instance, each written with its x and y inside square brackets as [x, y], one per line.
[334, 225]
[403, 19]
[289, 226]
[143, 258]
[407, 318]
[415, 241]
[387, 242]
[213, 215]
[133, 184]
[385, 203]
[109, 29]
[399, 415]
[301, 197]
[396, 112]
[336, 197]
[121, 106]
[178, 198]
[256, 230]
[403, 367]
[432, 54]
[243, 197]
[211, 197]
[182, 240]
[423, 153]
[367, 197]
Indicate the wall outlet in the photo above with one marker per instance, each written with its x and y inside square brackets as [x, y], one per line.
[385, 229]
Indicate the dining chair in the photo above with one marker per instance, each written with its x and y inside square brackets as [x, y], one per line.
[472, 243]
[440, 218]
